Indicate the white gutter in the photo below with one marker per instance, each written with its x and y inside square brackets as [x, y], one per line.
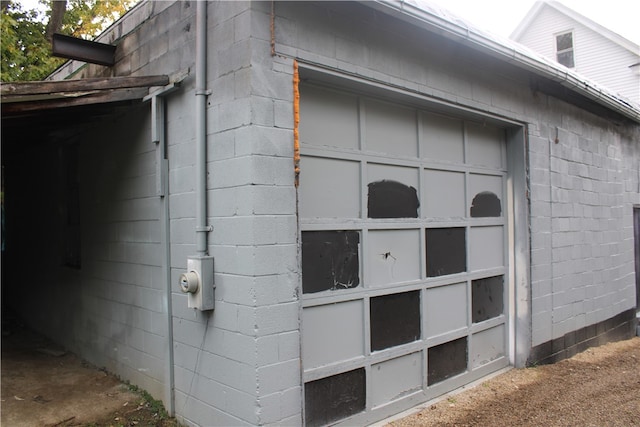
[201, 129]
[518, 56]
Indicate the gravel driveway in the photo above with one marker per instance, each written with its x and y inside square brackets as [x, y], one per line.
[599, 387]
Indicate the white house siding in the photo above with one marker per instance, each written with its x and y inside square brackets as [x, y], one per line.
[596, 57]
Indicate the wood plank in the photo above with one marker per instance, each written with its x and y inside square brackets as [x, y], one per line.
[47, 87]
[97, 98]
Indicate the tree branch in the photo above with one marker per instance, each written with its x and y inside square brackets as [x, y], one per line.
[58, 7]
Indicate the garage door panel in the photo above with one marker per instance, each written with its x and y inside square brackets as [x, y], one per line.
[447, 360]
[330, 260]
[395, 378]
[485, 196]
[328, 118]
[333, 398]
[446, 251]
[404, 265]
[329, 188]
[394, 256]
[332, 333]
[395, 319]
[445, 309]
[444, 194]
[488, 346]
[487, 298]
[486, 248]
[390, 128]
[441, 138]
[485, 145]
[392, 191]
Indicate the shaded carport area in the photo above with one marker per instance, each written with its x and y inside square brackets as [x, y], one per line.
[43, 123]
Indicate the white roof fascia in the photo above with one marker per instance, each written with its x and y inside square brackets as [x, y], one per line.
[444, 23]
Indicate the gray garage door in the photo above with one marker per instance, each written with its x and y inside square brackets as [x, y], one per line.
[404, 260]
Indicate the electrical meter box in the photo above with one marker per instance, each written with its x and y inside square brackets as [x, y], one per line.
[198, 283]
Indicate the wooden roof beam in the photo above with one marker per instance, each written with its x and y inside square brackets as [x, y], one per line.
[49, 87]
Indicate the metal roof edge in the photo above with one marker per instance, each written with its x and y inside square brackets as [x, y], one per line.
[512, 53]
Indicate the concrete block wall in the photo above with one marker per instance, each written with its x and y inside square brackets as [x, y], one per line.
[109, 310]
[113, 311]
[121, 258]
[240, 364]
[150, 39]
[237, 365]
[581, 189]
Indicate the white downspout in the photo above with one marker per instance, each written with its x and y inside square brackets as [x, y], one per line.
[201, 129]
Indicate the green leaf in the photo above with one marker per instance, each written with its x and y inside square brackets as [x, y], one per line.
[25, 52]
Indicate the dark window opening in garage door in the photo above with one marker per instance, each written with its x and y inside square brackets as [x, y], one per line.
[446, 251]
[447, 360]
[392, 199]
[487, 298]
[335, 397]
[330, 260]
[395, 319]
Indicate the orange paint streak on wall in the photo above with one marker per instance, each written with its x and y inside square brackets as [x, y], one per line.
[296, 122]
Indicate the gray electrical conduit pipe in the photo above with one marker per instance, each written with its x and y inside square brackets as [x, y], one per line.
[201, 129]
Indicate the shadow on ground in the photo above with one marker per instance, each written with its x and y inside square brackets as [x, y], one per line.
[44, 385]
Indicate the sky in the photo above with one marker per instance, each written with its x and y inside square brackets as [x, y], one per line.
[502, 16]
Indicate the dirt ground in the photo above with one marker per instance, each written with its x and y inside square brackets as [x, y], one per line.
[42, 385]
